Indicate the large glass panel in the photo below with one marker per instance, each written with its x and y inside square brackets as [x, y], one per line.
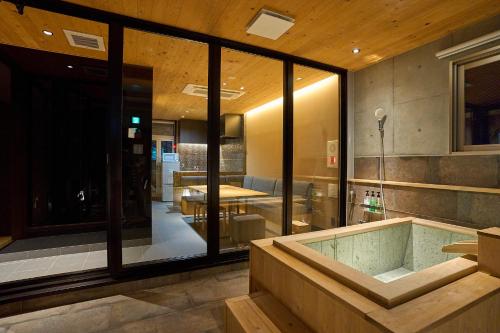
[315, 150]
[164, 148]
[54, 102]
[251, 149]
[480, 102]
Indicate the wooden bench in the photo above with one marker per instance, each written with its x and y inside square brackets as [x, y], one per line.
[260, 312]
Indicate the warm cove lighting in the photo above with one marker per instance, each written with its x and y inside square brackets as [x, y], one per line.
[298, 93]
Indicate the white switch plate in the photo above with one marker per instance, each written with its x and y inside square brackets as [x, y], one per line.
[333, 190]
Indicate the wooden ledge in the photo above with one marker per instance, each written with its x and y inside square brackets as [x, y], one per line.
[457, 188]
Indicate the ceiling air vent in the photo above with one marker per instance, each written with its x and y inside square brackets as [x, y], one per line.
[86, 41]
[197, 90]
[269, 24]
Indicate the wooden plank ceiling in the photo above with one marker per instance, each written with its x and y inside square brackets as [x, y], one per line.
[178, 62]
[325, 30]
[175, 62]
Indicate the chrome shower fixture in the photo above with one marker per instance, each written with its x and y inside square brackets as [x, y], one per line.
[381, 117]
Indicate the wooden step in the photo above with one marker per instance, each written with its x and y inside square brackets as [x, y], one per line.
[261, 312]
[4, 241]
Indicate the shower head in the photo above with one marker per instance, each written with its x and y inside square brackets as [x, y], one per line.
[381, 117]
[379, 113]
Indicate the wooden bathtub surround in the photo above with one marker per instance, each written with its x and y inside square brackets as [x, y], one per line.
[387, 294]
[322, 303]
[470, 303]
[489, 251]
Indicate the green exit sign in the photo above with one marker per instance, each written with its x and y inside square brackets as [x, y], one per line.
[136, 120]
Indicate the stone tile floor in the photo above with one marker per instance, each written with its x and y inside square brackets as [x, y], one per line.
[172, 238]
[65, 263]
[192, 306]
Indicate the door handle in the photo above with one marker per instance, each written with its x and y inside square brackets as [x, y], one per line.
[81, 195]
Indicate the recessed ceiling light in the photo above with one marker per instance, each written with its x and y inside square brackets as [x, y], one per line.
[224, 83]
[187, 111]
[182, 116]
[242, 88]
[356, 50]
[70, 66]
[47, 33]
[299, 78]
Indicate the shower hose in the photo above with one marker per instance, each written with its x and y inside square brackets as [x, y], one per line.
[382, 171]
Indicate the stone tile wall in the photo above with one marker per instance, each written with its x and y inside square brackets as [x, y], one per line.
[232, 156]
[193, 157]
[476, 171]
[476, 210]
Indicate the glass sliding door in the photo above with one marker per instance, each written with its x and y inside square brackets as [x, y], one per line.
[63, 147]
[165, 159]
[251, 149]
[315, 203]
[54, 178]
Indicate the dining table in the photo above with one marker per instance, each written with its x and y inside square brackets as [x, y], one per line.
[230, 191]
[230, 195]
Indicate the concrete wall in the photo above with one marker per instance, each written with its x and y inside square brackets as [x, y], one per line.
[413, 88]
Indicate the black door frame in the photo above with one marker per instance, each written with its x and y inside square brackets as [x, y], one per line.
[116, 25]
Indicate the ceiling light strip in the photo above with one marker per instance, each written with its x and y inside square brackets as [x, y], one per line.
[296, 94]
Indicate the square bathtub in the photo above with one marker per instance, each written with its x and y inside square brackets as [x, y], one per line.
[389, 262]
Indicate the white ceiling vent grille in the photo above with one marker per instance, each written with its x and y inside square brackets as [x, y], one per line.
[270, 24]
[197, 90]
[86, 41]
